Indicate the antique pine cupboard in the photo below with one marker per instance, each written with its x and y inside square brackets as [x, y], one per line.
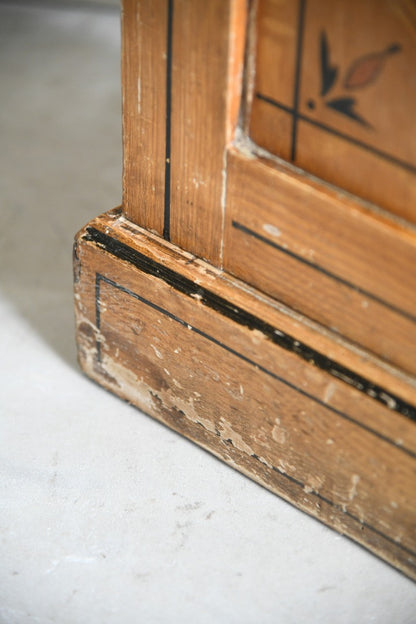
[256, 290]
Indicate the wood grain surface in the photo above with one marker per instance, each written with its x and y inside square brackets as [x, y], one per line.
[191, 347]
[182, 79]
[324, 255]
[206, 77]
[334, 94]
[144, 53]
[265, 313]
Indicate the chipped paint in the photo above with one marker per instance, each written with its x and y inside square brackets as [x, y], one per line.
[352, 493]
[241, 437]
[329, 392]
[157, 352]
[257, 336]
[279, 434]
[389, 401]
[228, 433]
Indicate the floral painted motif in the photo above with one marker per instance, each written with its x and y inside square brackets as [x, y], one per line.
[361, 73]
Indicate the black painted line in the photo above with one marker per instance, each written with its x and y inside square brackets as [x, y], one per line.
[166, 214]
[269, 100]
[369, 148]
[242, 317]
[98, 316]
[183, 323]
[317, 267]
[298, 67]
[337, 506]
[259, 367]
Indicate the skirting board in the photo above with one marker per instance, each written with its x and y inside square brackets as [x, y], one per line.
[322, 424]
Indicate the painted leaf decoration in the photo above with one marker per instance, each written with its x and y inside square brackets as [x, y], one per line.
[328, 73]
[366, 69]
[345, 105]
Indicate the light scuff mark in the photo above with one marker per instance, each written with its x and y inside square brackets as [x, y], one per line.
[273, 230]
[279, 433]
[352, 493]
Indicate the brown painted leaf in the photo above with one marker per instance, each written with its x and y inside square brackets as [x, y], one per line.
[365, 70]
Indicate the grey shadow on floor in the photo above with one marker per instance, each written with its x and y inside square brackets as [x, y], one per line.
[60, 128]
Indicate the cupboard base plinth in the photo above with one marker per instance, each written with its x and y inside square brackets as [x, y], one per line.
[328, 428]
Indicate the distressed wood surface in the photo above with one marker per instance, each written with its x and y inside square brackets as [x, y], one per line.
[223, 366]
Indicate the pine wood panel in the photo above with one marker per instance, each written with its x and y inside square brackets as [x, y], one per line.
[323, 255]
[144, 67]
[206, 348]
[182, 76]
[208, 46]
[334, 94]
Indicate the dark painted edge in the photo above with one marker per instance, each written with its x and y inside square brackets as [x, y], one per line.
[242, 317]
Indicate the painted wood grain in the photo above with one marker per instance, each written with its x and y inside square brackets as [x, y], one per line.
[334, 94]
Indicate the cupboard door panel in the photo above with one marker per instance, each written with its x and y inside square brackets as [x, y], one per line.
[335, 93]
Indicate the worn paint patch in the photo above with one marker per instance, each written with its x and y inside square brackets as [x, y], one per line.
[329, 392]
[228, 433]
[272, 230]
[279, 434]
[352, 493]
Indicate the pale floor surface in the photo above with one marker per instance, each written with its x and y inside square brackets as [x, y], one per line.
[107, 516]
